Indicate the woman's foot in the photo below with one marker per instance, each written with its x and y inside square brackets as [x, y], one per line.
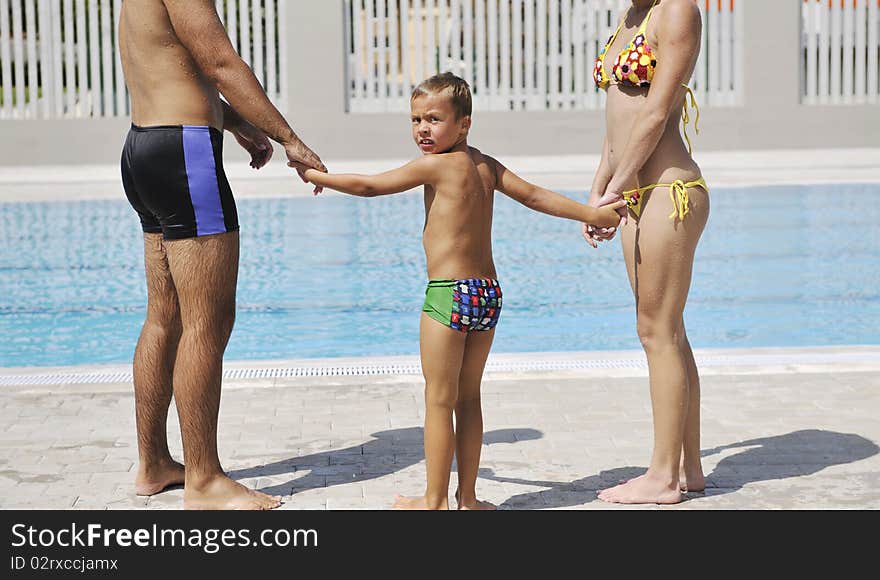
[473, 503]
[159, 477]
[643, 489]
[418, 503]
[692, 480]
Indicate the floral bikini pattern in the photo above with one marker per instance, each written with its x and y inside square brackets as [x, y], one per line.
[634, 65]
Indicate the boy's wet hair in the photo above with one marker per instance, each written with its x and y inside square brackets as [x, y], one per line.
[456, 88]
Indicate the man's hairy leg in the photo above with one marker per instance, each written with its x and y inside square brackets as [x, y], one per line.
[153, 367]
[205, 272]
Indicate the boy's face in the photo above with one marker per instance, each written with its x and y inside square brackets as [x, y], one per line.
[434, 125]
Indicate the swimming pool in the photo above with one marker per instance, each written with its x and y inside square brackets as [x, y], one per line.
[339, 276]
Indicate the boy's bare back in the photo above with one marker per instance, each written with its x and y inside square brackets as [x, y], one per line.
[458, 216]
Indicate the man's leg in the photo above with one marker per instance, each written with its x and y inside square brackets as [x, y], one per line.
[205, 273]
[153, 368]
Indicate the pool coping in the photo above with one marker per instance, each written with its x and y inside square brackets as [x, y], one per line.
[594, 364]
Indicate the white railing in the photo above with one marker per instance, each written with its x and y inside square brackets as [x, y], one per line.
[515, 54]
[840, 42]
[58, 58]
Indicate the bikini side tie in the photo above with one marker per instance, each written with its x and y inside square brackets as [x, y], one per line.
[686, 118]
[678, 190]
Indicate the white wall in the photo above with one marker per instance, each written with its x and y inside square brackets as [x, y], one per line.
[771, 114]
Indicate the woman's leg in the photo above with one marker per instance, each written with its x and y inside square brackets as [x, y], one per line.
[659, 253]
[691, 476]
[469, 419]
[442, 351]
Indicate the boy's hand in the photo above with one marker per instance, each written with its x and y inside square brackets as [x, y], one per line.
[608, 215]
[254, 142]
[307, 174]
[610, 198]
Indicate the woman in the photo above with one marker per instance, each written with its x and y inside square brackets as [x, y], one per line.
[645, 68]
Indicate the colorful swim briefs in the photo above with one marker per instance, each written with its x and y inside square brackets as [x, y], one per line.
[465, 305]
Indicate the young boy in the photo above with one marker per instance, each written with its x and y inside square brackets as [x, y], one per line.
[463, 298]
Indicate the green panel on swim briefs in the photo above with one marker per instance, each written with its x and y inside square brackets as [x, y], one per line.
[438, 300]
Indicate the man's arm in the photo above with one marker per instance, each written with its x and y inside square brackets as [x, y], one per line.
[249, 137]
[550, 202]
[421, 171]
[199, 29]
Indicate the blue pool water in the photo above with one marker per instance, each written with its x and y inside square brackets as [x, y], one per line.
[339, 276]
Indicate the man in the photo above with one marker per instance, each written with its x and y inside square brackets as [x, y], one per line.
[177, 59]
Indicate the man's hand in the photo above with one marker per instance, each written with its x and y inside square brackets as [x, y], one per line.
[301, 158]
[254, 142]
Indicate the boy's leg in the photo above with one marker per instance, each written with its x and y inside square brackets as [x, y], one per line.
[469, 419]
[442, 350]
[153, 367]
[205, 272]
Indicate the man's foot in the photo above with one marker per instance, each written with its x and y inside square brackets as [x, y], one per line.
[416, 503]
[156, 479]
[473, 504]
[643, 489]
[223, 493]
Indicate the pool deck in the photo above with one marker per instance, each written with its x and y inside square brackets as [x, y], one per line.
[783, 429]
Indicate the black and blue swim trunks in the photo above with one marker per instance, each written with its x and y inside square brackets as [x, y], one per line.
[173, 177]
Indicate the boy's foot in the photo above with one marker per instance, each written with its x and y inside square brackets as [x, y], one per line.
[223, 493]
[416, 503]
[642, 489]
[158, 478]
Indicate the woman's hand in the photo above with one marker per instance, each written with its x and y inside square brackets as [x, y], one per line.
[594, 234]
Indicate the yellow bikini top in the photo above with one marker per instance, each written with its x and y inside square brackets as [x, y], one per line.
[635, 66]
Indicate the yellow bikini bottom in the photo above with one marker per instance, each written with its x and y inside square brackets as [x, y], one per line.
[678, 193]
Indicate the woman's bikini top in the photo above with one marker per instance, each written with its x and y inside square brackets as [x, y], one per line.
[635, 66]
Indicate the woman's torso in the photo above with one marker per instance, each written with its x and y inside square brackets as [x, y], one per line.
[670, 159]
[458, 219]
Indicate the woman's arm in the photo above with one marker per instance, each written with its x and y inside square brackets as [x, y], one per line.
[591, 233]
[678, 35]
[421, 171]
[550, 202]
[602, 177]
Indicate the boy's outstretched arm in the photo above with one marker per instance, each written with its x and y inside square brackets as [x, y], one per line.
[421, 171]
[552, 203]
